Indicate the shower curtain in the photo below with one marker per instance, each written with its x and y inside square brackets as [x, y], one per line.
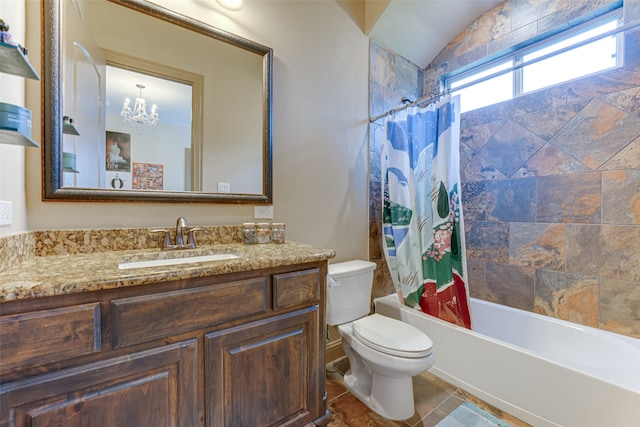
[423, 237]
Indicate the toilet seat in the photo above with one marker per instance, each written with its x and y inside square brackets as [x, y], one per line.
[391, 336]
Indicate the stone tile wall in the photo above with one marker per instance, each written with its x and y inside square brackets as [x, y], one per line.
[551, 180]
[391, 78]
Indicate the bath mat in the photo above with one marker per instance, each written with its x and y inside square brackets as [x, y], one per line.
[468, 415]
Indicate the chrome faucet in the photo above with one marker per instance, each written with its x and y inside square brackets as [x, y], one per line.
[181, 228]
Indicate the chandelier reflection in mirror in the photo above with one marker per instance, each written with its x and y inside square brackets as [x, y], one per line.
[138, 118]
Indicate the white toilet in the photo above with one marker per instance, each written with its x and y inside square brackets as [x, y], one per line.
[384, 353]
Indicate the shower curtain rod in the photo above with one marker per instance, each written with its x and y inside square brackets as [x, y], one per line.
[431, 98]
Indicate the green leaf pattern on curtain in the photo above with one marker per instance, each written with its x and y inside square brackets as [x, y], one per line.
[423, 231]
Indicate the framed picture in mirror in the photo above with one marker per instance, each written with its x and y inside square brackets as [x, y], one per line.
[118, 156]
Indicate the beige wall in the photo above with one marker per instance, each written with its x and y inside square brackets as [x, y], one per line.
[320, 124]
[12, 91]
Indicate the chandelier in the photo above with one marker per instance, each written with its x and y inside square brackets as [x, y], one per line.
[138, 118]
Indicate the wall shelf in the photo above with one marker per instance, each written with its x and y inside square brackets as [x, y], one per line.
[70, 129]
[13, 61]
[15, 137]
[69, 162]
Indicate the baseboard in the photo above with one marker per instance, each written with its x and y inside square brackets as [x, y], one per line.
[334, 351]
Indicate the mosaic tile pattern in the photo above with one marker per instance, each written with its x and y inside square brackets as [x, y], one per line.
[550, 180]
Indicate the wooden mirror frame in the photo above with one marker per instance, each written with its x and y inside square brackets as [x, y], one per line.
[52, 189]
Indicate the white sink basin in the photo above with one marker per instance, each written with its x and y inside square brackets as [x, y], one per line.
[137, 263]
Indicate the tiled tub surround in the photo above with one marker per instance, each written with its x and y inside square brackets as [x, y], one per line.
[70, 261]
[551, 180]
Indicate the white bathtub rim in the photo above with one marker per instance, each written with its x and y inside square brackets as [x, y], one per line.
[633, 342]
[620, 339]
[540, 410]
[393, 297]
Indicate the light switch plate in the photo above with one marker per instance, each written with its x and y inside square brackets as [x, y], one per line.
[6, 213]
[263, 212]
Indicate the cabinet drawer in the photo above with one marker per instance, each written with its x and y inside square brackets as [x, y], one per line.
[299, 287]
[144, 318]
[48, 336]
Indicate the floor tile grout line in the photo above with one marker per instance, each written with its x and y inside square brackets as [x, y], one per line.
[451, 394]
[338, 396]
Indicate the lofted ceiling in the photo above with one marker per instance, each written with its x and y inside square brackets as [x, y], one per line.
[419, 29]
[416, 29]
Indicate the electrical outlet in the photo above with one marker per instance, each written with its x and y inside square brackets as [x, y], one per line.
[6, 213]
[224, 187]
[263, 212]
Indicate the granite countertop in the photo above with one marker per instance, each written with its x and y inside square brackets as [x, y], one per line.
[66, 274]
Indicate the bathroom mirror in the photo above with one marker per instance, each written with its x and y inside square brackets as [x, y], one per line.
[211, 145]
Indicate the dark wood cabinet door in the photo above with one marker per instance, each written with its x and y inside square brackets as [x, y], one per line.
[152, 388]
[265, 373]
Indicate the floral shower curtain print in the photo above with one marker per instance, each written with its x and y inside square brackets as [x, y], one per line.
[423, 237]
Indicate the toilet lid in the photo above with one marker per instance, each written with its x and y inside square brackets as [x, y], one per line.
[391, 336]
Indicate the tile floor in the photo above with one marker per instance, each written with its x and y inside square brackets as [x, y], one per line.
[434, 400]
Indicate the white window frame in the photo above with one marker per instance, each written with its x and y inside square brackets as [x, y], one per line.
[466, 78]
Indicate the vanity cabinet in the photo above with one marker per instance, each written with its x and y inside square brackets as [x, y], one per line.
[258, 374]
[156, 387]
[241, 349]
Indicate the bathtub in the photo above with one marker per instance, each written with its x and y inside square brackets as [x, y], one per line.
[545, 371]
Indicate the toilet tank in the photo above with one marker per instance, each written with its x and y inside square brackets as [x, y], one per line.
[349, 291]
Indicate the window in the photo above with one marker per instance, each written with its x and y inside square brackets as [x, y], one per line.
[487, 92]
[545, 63]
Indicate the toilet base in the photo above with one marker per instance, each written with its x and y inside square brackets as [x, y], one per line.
[391, 398]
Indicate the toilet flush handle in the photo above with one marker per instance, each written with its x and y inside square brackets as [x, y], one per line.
[332, 283]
